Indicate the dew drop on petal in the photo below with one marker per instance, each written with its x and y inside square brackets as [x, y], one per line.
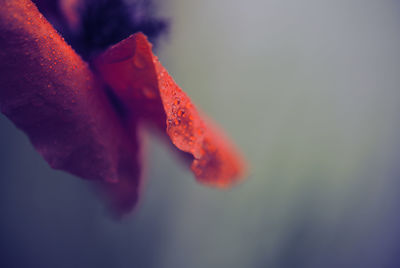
[139, 61]
[149, 92]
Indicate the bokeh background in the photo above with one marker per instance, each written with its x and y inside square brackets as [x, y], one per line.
[309, 90]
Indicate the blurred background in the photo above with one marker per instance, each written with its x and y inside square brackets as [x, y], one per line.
[309, 90]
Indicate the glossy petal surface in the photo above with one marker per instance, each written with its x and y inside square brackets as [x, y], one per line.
[147, 90]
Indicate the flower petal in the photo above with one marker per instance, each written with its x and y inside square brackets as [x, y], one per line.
[51, 94]
[146, 89]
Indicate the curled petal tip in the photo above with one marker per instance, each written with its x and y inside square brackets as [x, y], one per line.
[145, 87]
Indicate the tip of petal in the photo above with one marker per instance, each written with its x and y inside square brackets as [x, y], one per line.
[133, 72]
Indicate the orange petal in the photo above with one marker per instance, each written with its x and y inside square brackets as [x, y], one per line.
[146, 89]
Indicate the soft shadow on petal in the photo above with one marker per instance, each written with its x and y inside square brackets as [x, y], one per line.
[51, 94]
[146, 88]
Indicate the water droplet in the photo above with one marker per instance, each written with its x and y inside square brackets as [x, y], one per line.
[149, 92]
[181, 113]
[139, 61]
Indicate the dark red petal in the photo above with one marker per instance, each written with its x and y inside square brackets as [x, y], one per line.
[51, 94]
[146, 88]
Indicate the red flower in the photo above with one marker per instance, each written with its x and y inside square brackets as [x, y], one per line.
[85, 122]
